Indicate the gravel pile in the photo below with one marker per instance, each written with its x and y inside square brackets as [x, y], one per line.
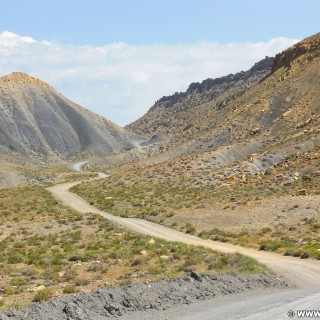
[160, 295]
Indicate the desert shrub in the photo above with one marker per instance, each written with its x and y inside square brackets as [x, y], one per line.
[190, 228]
[156, 269]
[137, 261]
[43, 295]
[305, 255]
[69, 289]
[14, 258]
[269, 245]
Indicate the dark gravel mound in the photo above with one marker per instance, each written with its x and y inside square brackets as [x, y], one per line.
[161, 295]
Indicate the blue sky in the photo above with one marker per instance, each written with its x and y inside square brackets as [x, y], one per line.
[98, 22]
[117, 57]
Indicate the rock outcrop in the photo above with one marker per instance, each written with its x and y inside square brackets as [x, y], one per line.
[309, 47]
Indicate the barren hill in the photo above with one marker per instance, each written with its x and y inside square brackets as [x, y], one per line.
[37, 120]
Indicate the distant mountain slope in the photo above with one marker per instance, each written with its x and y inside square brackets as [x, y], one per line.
[173, 114]
[283, 106]
[37, 120]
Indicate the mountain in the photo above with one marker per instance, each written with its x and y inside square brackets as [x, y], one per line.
[175, 113]
[274, 102]
[37, 120]
[250, 167]
[284, 106]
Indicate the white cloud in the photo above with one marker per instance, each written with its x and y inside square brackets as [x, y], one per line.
[9, 39]
[121, 81]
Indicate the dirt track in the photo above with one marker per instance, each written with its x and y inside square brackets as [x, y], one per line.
[304, 274]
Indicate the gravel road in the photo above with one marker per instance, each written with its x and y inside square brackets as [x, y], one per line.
[303, 275]
[78, 166]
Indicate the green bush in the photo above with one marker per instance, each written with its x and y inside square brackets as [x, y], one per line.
[269, 245]
[137, 261]
[69, 289]
[305, 255]
[190, 228]
[156, 269]
[14, 258]
[9, 291]
[43, 295]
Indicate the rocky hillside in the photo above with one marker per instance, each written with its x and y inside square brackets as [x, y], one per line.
[283, 109]
[176, 113]
[251, 166]
[35, 120]
[284, 106]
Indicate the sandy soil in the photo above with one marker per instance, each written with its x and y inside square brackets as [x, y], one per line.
[287, 209]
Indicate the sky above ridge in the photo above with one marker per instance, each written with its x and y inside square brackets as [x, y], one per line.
[117, 57]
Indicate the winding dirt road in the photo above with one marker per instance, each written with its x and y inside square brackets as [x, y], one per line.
[78, 166]
[304, 275]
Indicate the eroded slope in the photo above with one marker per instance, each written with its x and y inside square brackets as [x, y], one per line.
[36, 120]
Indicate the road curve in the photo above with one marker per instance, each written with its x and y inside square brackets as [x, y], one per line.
[304, 275]
[78, 166]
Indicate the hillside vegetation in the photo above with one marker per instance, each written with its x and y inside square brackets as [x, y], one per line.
[250, 164]
[49, 250]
